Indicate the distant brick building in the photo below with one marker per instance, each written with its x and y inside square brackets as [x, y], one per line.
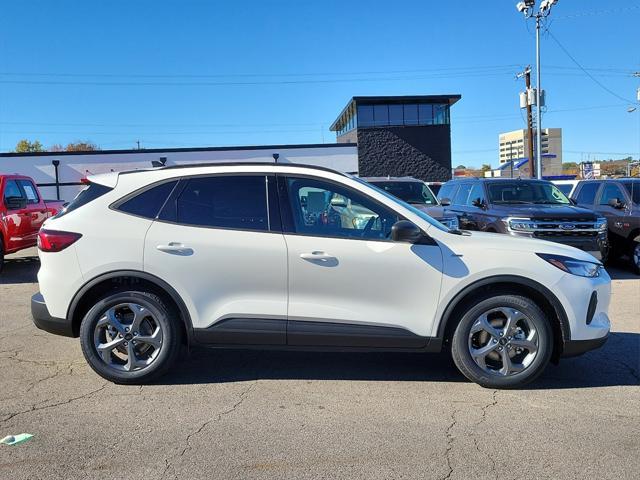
[399, 135]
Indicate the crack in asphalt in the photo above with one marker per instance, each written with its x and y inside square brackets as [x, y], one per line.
[35, 408]
[449, 437]
[199, 430]
[483, 418]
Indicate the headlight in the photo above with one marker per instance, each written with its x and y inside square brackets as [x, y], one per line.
[522, 224]
[573, 266]
[450, 222]
[601, 224]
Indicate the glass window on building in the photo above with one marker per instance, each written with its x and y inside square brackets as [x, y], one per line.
[381, 115]
[440, 114]
[365, 115]
[425, 114]
[396, 116]
[411, 114]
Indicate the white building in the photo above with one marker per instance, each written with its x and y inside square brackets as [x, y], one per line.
[514, 146]
[60, 174]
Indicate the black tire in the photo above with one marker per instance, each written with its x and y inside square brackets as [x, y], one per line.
[1, 255]
[635, 262]
[167, 320]
[468, 367]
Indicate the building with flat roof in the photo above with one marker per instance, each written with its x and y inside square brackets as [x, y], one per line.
[399, 135]
[514, 146]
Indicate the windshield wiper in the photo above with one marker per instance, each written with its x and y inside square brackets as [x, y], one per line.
[549, 202]
[509, 201]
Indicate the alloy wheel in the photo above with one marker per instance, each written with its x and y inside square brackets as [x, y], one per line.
[128, 337]
[503, 341]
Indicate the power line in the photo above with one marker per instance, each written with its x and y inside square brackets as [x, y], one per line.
[598, 12]
[604, 87]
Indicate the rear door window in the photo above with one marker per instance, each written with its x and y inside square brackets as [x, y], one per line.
[30, 191]
[476, 195]
[148, 203]
[224, 201]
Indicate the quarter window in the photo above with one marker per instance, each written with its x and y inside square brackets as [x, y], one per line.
[148, 203]
[325, 209]
[587, 193]
[225, 201]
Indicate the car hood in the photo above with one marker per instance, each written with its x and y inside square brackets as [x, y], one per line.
[434, 211]
[536, 211]
[498, 241]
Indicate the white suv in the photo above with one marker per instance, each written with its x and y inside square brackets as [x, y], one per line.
[263, 255]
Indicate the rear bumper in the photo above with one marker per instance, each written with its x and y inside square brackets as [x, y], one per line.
[573, 348]
[44, 321]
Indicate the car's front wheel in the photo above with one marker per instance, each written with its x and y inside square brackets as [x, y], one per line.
[635, 257]
[503, 341]
[130, 337]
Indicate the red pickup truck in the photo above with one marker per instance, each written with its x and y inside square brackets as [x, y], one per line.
[22, 212]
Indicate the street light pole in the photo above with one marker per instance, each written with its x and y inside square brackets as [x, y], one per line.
[526, 7]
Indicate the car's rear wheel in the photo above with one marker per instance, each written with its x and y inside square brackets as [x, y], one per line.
[1, 255]
[130, 337]
[503, 341]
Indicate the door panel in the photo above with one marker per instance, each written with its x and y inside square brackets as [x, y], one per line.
[367, 282]
[343, 268]
[225, 263]
[18, 220]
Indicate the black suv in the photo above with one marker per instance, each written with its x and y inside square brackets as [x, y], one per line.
[526, 208]
[619, 201]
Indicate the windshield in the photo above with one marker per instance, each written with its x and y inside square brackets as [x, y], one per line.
[526, 192]
[410, 192]
[406, 205]
[633, 188]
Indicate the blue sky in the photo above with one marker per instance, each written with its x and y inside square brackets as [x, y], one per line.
[208, 73]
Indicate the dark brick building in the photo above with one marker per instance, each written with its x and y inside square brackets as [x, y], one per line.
[399, 135]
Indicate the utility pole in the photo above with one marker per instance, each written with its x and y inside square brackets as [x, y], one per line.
[527, 81]
[526, 7]
[138, 143]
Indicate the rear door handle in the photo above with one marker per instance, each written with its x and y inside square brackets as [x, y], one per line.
[318, 256]
[175, 248]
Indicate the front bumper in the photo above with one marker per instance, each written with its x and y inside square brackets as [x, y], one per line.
[597, 246]
[44, 321]
[573, 348]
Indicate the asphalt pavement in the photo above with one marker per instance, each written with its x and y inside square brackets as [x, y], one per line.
[250, 414]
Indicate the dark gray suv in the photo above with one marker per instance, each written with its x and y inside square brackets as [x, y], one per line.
[525, 208]
[619, 201]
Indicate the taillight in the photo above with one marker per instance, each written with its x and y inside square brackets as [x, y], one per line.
[54, 241]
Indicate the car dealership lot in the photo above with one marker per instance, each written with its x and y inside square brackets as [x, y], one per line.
[250, 414]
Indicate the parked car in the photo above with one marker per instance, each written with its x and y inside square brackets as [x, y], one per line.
[22, 212]
[619, 201]
[565, 186]
[246, 255]
[417, 193]
[434, 186]
[525, 208]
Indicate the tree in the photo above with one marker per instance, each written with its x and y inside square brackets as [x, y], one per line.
[25, 146]
[485, 167]
[461, 167]
[79, 146]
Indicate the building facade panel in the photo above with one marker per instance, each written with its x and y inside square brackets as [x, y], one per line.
[423, 153]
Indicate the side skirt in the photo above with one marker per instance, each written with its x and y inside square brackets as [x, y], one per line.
[280, 334]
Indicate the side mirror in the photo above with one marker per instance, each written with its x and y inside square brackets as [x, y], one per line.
[478, 202]
[616, 203]
[445, 202]
[406, 231]
[15, 203]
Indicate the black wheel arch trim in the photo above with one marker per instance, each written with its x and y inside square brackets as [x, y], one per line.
[501, 279]
[162, 284]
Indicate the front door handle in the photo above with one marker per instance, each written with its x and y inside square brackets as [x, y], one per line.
[317, 256]
[175, 248]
